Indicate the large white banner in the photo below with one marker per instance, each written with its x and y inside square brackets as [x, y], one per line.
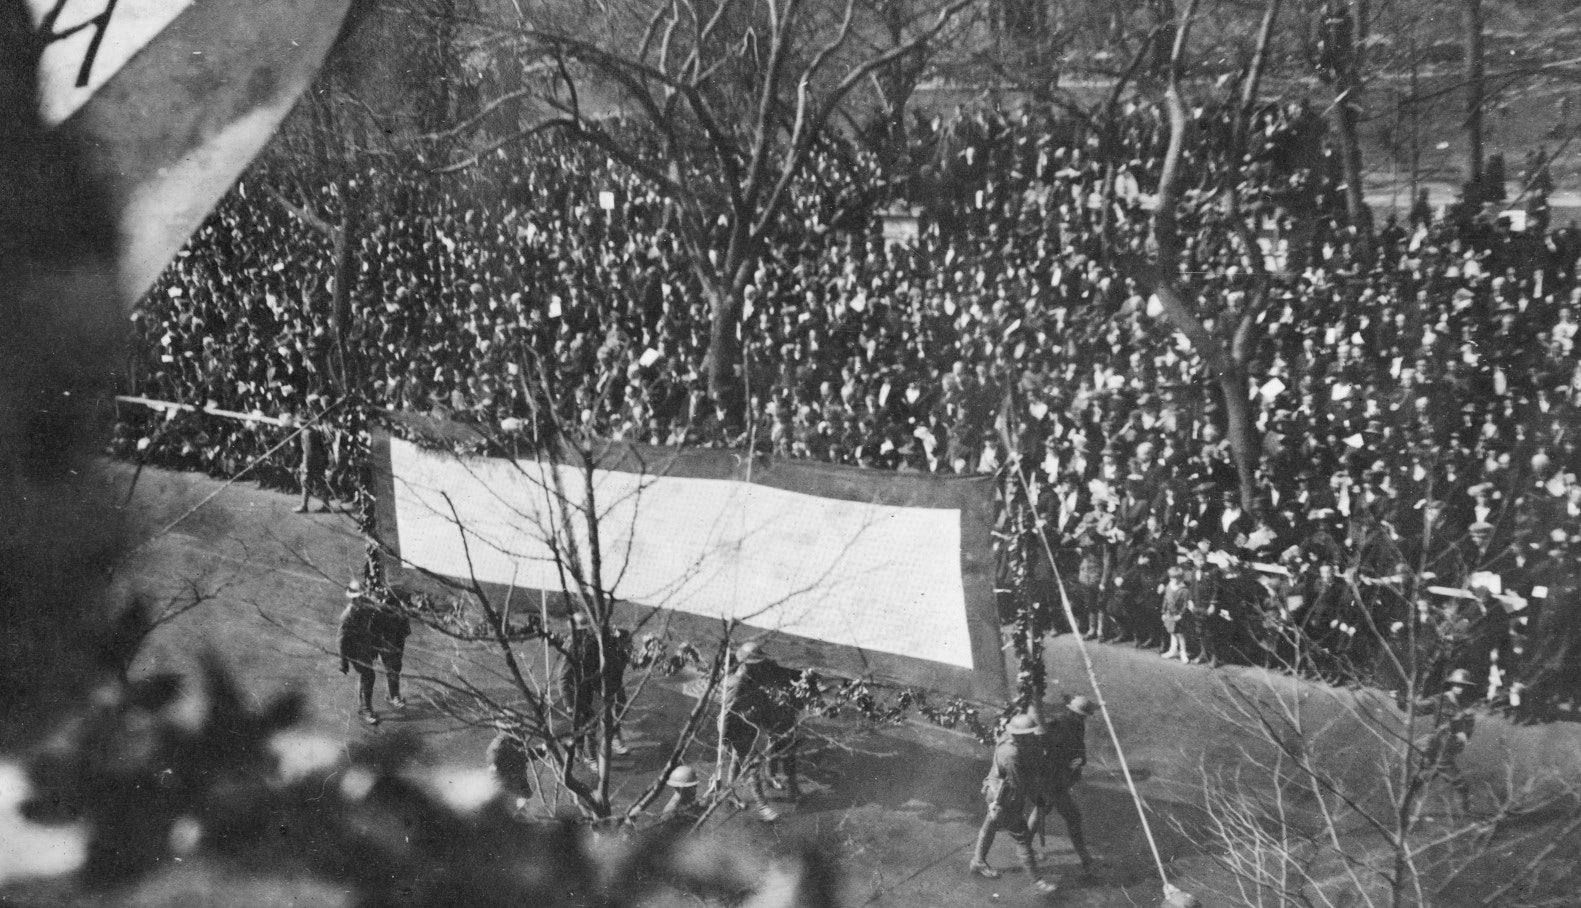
[874, 577]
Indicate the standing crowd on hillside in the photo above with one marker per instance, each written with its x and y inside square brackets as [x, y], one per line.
[1415, 396]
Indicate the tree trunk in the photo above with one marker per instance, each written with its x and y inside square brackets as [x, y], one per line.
[1416, 123]
[1241, 145]
[1245, 446]
[1106, 213]
[724, 347]
[1166, 267]
[1474, 98]
[1343, 115]
[896, 84]
[346, 240]
[1252, 84]
[1342, 65]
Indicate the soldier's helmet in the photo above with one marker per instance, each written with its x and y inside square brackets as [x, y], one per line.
[682, 777]
[750, 653]
[1083, 705]
[1023, 724]
[1459, 677]
[354, 589]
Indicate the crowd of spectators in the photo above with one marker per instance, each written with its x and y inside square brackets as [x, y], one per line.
[1414, 395]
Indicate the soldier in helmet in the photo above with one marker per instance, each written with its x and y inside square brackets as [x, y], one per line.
[313, 466]
[683, 811]
[372, 631]
[593, 675]
[1453, 723]
[508, 763]
[758, 715]
[1010, 789]
[1064, 755]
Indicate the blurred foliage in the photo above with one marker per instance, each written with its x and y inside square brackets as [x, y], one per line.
[154, 772]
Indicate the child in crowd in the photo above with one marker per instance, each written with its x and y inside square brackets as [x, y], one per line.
[1176, 598]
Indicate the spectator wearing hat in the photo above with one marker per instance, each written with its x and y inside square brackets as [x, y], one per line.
[1232, 525]
[1010, 790]
[1552, 657]
[1487, 549]
[1202, 606]
[1070, 503]
[1094, 537]
[1134, 601]
[1240, 613]
[1426, 541]
[1064, 740]
[1202, 514]
[372, 632]
[1484, 507]
[1331, 623]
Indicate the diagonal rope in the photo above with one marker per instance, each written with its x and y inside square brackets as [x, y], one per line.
[1092, 678]
[228, 483]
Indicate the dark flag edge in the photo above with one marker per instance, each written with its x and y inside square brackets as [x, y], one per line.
[170, 132]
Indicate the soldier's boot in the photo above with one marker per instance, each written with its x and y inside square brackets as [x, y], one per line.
[760, 800]
[979, 864]
[365, 698]
[983, 869]
[1029, 860]
[1078, 842]
[1089, 864]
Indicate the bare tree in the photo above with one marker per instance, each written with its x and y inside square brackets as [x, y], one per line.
[361, 119]
[1351, 788]
[1225, 359]
[505, 651]
[727, 100]
[1475, 72]
[1339, 798]
[880, 115]
[1342, 48]
[502, 663]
